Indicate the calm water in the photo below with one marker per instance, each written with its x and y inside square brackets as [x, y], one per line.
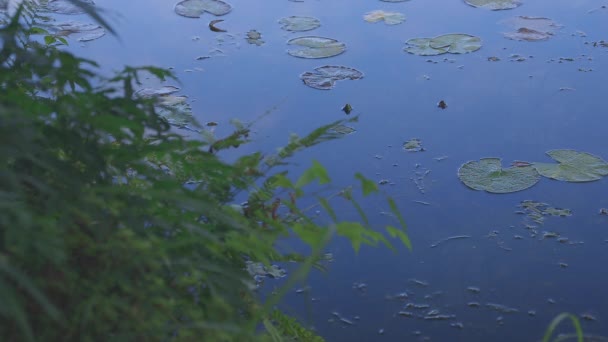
[512, 110]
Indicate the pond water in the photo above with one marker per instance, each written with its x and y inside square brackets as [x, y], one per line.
[514, 110]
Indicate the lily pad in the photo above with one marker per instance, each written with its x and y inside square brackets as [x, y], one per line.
[456, 43]
[573, 166]
[325, 77]
[298, 24]
[487, 174]
[66, 6]
[80, 31]
[254, 37]
[316, 47]
[390, 18]
[343, 129]
[531, 28]
[413, 145]
[421, 47]
[196, 8]
[494, 5]
[175, 109]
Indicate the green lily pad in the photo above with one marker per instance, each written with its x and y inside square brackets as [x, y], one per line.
[80, 31]
[487, 174]
[196, 8]
[390, 18]
[298, 24]
[413, 145]
[254, 37]
[494, 5]
[531, 28]
[316, 47]
[573, 166]
[421, 47]
[456, 43]
[325, 77]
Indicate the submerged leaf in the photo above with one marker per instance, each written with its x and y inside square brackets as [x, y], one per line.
[298, 24]
[573, 166]
[316, 47]
[196, 8]
[254, 37]
[390, 18]
[66, 6]
[494, 5]
[325, 77]
[531, 28]
[487, 174]
[82, 32]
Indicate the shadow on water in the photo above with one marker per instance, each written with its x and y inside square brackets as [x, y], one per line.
[508, 109]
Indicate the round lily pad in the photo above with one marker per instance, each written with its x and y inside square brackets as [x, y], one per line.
[487, 174]
[316, 47]
[531, 28]
[494, 5]
[325, 77]
[573, 166]
[421, 47]
[390, 18]
[456, 43]
[196, 8]
[295, 23]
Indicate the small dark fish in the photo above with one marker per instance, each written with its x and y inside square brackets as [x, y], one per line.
[214, 28]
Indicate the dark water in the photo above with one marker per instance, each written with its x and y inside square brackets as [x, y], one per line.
[512, 110]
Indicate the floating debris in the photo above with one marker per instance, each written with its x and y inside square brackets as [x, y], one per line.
[347, 108]
[405, 313]
[422, 202]
[457, 325]
[588, 317]
[473, 304]
[402, 296]
[474, 289]
[603, 211]
[501, 308]
[419, 282]
[362, 287]
[456, 237]
[531, 28]
[441, 104]
[413, 145]
[493, 59]
[417, 306]
[254, 37]
[439, 317]
[214, 28]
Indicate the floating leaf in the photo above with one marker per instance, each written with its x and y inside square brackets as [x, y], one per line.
[214, 28]
[390, 18]
[316, 47]
[325, 77]
[174, 109]
[494, 5]
[298, 24]
[82, 32]
[573, 166]
[66, 6]
[487, 174]
[413, 145]
[531, 28]
[254, 37]
[342, 129]
[456, 43]
[421, 47]
[196, 8]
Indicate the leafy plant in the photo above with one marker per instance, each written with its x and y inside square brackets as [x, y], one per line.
[114, 227]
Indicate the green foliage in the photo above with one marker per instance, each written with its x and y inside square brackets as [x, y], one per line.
[113, 227]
